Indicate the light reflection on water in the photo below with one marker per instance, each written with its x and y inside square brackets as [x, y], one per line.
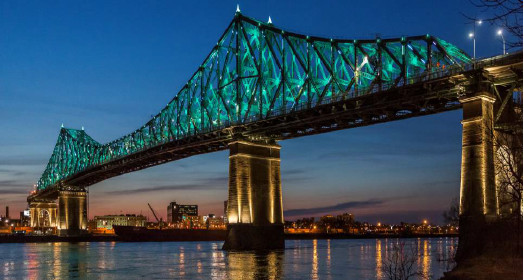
[302, 259]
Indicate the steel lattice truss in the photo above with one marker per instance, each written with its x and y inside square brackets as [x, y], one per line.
[256, 71]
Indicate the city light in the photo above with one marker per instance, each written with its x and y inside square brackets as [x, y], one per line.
[501, 34]
[473, 35]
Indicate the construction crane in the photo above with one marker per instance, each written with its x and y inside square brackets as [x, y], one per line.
[154, 214]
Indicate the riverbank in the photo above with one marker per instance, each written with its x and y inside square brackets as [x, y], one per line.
[489, 251]
[486, 268]
[54, 238]
[111, 238]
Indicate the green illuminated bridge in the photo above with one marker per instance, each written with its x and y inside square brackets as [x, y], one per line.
[261, 84]
[255, 74]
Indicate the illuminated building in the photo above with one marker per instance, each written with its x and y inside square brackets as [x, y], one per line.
[109, 221]
[178, 212]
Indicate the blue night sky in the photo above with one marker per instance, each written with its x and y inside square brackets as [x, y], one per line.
[110, 65]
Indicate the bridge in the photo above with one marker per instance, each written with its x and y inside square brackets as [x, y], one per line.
[261, 84]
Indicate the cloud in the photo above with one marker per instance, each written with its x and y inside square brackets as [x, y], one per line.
[13, 183]
[11, 172]
[295, 171]
[21, 161]
[295, 175]
[222, 180]
[13, 191]
[157, 189]
[333, 208]
[219, 182]
[372, 153]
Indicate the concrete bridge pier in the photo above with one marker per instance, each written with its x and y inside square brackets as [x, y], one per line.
[72, 211]
[254, 209]
[42, 213]
[478, 193]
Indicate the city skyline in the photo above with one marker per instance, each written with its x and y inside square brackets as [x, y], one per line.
[408, 169]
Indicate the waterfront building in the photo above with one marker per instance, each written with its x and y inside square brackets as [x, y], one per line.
[178, 212]
[213, 222]
[346, 219]
[109, 221]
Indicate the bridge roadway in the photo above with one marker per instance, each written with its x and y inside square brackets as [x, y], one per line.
[485, 89]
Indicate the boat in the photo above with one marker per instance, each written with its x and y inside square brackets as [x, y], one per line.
[143, 234]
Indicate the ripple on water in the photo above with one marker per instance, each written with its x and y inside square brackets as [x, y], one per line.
[302, 259]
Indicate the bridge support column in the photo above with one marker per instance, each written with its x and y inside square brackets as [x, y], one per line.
[72, 212]
[478, 194]
[254, 209]
[42, 213]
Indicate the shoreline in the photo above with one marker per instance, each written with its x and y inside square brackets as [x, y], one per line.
[6, 239]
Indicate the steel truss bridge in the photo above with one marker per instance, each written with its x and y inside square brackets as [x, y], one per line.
[262, 82]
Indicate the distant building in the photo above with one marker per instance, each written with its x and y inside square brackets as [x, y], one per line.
[327, 219]
[346, 219]
[109, 221]
[25, 218]
[213, 222]
[91, 225]
[178, 212]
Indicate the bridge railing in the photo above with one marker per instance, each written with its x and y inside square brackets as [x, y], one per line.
[497, 60]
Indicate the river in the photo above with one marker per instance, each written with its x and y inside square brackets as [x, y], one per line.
[302, 259]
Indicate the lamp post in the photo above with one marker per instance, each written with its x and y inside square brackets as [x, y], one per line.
[473, 35]
[503, 41]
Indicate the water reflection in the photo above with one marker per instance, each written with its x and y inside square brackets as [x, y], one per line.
[378, 258]
[251, 265]
[328, 258]
[426, 261]
[302, 259]
[314, 263]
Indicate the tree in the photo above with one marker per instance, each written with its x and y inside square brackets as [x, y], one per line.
[506, 14]
[451, 216]
[508, 172]
[400, 263]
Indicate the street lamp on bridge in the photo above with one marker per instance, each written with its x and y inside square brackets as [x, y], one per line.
[503, 41]
[473, 35]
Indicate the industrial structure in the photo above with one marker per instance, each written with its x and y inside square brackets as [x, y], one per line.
[260, 85]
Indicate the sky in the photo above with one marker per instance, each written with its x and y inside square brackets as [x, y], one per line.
[108, 66]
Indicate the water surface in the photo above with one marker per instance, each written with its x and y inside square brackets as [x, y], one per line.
[302, 259]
